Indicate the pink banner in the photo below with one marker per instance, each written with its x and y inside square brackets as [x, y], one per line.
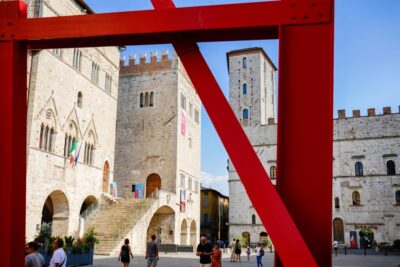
[183, 123]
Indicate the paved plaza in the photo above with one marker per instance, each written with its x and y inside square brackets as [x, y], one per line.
[190, 260]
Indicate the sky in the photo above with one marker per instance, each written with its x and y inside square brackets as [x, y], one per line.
[367, 64]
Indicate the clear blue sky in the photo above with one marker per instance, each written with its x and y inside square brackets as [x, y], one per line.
[367, 64]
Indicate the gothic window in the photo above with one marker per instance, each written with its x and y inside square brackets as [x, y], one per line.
[141, 100]
[47, 138]
[41, 136]
[151, 99]
[356, 198]
[80, 100]
[245, 63]
[253, 219]
[390, 167]
[397, 195]
[272, 172]
[245, 116]
[359, 169]
[69, 138]
[88, 156]
[76, 61]
[245, 89]
[108, 84]
[38, 8]
[95, 72]
[146, 99]
[337, 203]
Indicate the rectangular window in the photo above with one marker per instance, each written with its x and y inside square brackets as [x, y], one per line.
[206, 193]
[76, 61]
[108, 83]
[205, 202]
[57, 52]
[95, 72]
[190, 109]
[190, 183]
[196, 116]
[183, 102]
[183, 180]
[196, 185]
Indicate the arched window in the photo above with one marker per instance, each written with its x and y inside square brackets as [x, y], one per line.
[390, 167]
[70, 139]
[337, 203]
[151, 99]
[245, 114]
[245, 63]
[46, 137]
[359, 169]
[397, 195]
[141, 100]
[41, 136]
[356, 198]
[253, 219]
[245, 89]
[80, 99]
[146, 99]
[272, 172]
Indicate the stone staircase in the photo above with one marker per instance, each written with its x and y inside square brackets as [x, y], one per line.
[114, 220]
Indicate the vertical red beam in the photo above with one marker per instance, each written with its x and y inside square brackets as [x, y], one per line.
[13, 108]
[305, 132]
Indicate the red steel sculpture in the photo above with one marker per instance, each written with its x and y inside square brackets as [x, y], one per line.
[297, 212]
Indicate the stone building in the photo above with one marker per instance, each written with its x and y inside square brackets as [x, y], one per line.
[366, 183]
[158, 146]
[72, 108]
[214, 214]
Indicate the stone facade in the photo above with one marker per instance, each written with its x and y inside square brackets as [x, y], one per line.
[372, 140]
[158, 141]
[72, 96]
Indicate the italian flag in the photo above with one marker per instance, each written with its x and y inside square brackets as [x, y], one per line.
[72, 151]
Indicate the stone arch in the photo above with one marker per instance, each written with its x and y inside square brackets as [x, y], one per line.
[193, 233]
[88, 205]
[246, 239]
[153, 183]
[338, 230]
[184, 232]
[106, 177]
[162, 224]
[56, 212]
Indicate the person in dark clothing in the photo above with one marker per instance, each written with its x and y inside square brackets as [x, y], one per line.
[125, 253]
[204, 250]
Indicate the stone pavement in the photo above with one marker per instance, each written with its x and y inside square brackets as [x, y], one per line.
[190, 260]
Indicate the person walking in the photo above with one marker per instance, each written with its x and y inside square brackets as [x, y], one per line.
[238, 250]
[204, 250]
[232, 246]
[259, 254]
[248, 252]
[59, 258]
[335, 246]
[125, 253]
[152, 252]
[33, 259]
[216, 256]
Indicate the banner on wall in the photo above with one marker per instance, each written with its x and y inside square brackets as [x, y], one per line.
[183, 201]
[137, 190]
[183, 123]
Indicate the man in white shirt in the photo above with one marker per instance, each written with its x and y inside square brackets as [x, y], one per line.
[59, 258]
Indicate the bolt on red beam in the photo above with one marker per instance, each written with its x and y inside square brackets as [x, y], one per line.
[272, 211]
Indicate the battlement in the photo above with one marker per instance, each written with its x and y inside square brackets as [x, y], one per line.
[370, 113]
[144, 65]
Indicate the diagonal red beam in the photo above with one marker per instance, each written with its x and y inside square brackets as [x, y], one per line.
[270, 207]
[134, 25]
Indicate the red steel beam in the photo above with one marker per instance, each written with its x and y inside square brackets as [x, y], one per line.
[305, 133]
[225, 22]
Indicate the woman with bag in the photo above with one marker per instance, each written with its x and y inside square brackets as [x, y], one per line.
[125, 253]
[259, 254]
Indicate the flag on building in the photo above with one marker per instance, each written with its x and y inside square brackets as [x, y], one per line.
[72, 152]
[77, 156]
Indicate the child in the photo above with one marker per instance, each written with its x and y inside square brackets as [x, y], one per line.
[248, 251]
[216, 256]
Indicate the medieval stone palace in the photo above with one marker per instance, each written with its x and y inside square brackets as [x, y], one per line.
[366, 180]
[128, 168]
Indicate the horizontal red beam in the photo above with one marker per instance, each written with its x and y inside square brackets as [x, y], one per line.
[204, 23]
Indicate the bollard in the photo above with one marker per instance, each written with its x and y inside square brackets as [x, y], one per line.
[345, 250]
